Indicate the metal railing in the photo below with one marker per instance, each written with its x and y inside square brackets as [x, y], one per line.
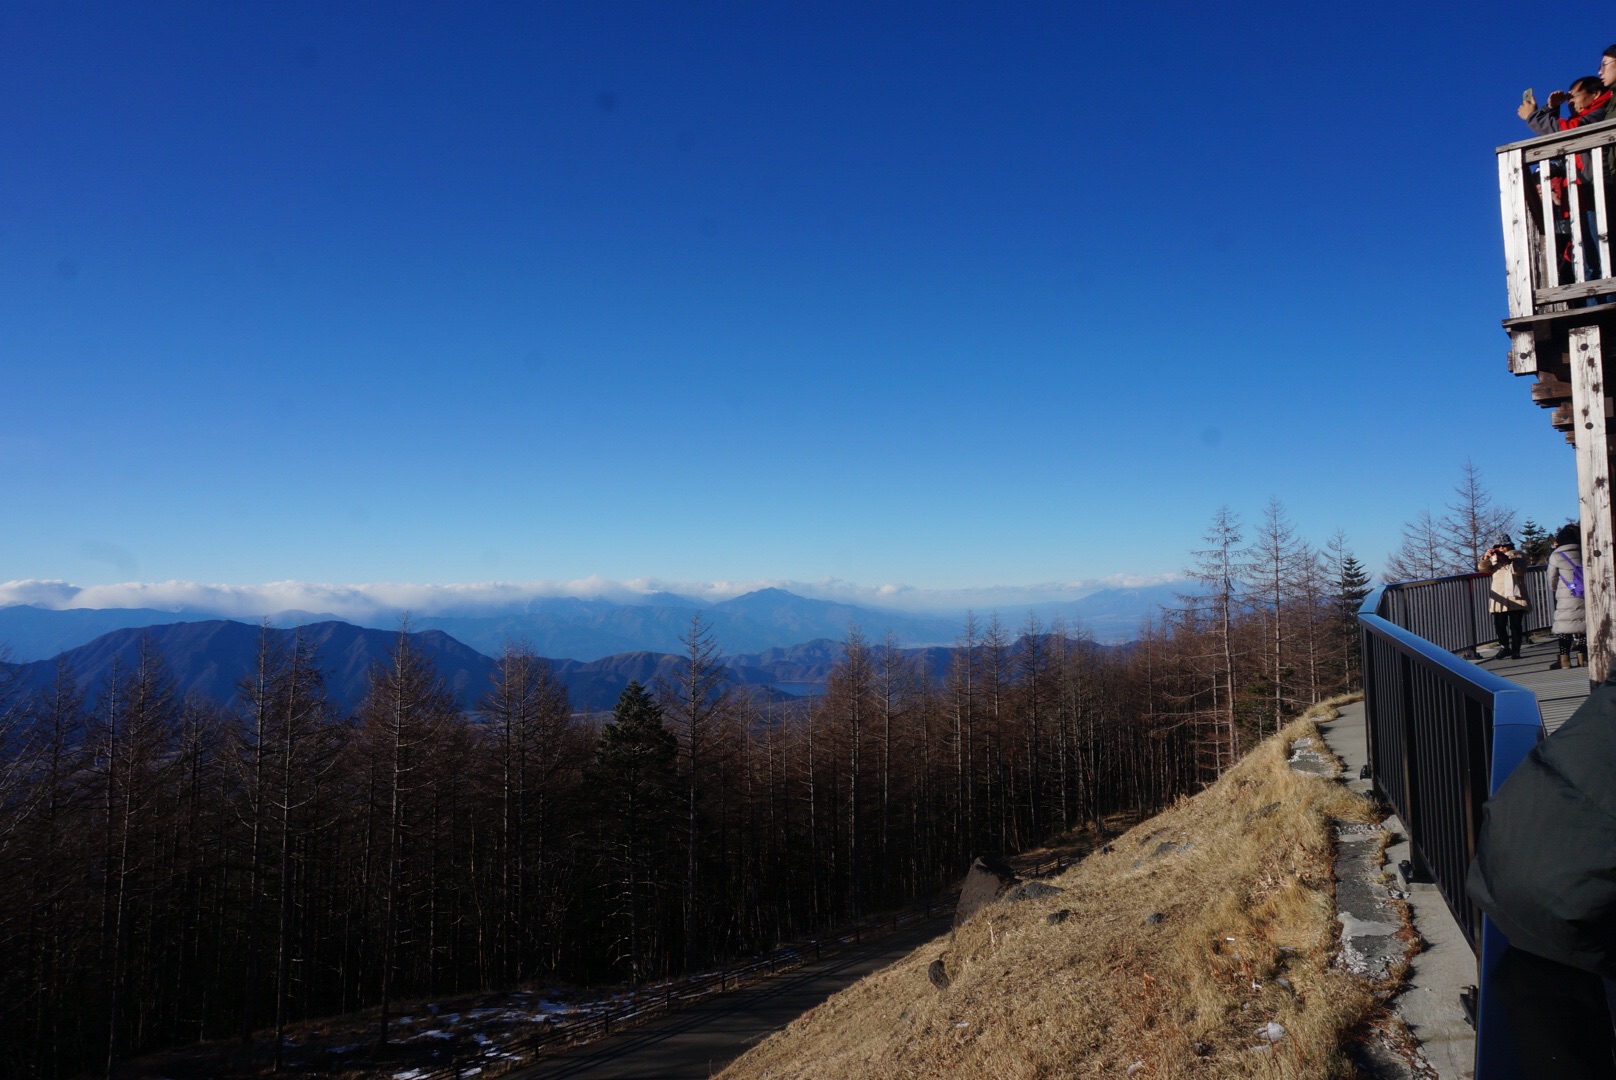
[1451, 612]
[1443, 735]
[1556, 212]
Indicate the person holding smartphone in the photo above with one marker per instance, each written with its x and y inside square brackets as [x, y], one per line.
[1506, 594]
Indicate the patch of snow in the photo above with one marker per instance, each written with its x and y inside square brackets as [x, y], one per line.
[409, 1074]
[1271, 1031]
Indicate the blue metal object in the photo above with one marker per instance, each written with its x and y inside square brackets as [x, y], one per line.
[1443, 735]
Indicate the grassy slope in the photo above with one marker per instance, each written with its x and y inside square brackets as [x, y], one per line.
[1248, 901]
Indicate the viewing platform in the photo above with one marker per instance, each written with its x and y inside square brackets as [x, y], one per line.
[1556, 198]
[1446, 721]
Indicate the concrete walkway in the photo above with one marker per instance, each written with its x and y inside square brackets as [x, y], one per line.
[1429, 1004]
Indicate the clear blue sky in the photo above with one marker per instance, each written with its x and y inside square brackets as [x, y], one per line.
[944, 295]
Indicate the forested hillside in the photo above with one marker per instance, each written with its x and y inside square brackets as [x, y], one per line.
[171, 869]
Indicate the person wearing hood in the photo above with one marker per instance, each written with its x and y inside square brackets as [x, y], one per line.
[1570, 613]
[1506, 595]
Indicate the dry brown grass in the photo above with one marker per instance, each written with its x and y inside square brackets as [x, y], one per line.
[1242, 877]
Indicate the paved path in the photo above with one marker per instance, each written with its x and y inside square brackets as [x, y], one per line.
[697, 1041]
[1429, 1003]
[1558, 692]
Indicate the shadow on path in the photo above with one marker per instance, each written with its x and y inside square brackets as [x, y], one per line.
[697, 1041]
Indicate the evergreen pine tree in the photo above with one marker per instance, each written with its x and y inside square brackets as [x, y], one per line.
[1350, 587]
[1535, 542]
[634, 783]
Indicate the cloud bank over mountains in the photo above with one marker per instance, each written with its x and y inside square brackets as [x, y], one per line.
[364, 602]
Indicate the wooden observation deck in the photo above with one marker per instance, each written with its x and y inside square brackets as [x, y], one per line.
[1557, 194]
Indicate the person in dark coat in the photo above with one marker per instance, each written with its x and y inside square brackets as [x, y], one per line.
[1570, 621]
[1545, 873]
[1587, 96]
[1589, 101]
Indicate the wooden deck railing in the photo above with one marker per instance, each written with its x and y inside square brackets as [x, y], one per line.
[1557, 246]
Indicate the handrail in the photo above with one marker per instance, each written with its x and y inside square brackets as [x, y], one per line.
[1443, 735]
[1451, 612]
[1557, 234]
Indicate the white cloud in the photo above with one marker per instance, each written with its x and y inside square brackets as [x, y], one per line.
[362, 602]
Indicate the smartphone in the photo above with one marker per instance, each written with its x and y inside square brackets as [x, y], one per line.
[1527, 97]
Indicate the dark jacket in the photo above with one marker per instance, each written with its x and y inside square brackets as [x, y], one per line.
[1547, 121]
[1545, 866]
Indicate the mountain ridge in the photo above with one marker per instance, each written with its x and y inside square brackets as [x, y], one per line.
[593, 629]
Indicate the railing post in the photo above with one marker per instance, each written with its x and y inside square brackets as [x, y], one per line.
[1517, 246]
[1470, 608]
[1410, 808]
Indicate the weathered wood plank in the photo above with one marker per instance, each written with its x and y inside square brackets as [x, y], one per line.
[1548, 271]
[1601, 287]
[1596, 169]
[1517, 246]
[1567, 143]
[1522, 351]
[1593, 497]
[1550, 390]
[1579, 265]
[1559, 321]
[1555, 138]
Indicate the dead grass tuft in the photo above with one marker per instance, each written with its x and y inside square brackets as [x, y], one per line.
[1241, 876]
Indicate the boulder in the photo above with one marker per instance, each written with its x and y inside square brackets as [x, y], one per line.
[990, 877]
[1032, 890]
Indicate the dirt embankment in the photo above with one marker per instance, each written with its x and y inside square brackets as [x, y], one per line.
[1200, 944]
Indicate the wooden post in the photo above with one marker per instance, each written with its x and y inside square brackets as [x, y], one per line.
[1517, 242]
[1593, 497]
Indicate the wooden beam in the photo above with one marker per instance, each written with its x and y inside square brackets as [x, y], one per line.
[1593, 497]
[1554, 145]
[1550, 391]
[1523, 351]
[1517, 248]
[1576, 290]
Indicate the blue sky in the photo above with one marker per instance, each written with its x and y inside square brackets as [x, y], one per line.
[941, 295]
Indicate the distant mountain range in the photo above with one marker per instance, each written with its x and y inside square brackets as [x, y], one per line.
[588, 630]
[211, 657]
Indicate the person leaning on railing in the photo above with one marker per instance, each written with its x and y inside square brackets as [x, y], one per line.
[1589, 99]
[1506, 594]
